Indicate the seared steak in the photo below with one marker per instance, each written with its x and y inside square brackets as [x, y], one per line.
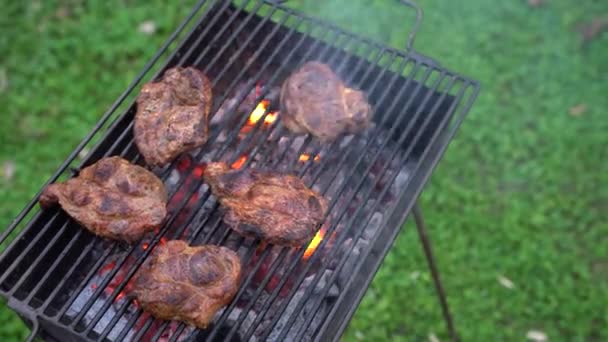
[189, 284]
[274, 207]
[315, 101]
[112, 198]
[172, 115]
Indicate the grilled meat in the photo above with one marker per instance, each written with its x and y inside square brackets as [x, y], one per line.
[315, 101]
[112, 198]
[277, 208]
[190, 284]
[172, 115]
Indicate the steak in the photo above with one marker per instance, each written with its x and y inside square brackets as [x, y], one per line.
[112, 198]
[189, 284]
[315, 101]
[275, 207]
[172, 115]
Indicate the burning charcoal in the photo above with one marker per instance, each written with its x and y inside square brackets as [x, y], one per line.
[347, 271]
[235, 315]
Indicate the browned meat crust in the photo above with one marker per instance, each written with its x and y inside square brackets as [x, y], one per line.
[190, 284]
[112, 198]
[172, 115]
[315, 101]
[277, 208]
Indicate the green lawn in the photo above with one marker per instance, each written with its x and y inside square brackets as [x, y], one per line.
[521, 194]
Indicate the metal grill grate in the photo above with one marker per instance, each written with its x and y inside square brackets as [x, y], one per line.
[73, 284]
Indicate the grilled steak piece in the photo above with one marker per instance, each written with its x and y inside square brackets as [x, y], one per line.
[112, 198]
[314, 100]
[275, 207]
[172, 115]
[190, 284]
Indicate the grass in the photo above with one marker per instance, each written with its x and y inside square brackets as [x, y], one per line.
[519, 194]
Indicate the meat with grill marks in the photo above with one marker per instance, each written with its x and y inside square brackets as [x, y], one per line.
[275, 207]
[190, 284]
[315, 101]
[112, 198]
[172, 115]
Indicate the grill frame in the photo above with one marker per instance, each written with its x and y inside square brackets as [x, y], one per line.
[430, 156]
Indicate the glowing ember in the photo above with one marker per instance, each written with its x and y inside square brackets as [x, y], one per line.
[107, 267]
[198, 171]
[239, 162]
[145, 246]
[314, 243]
[259, 111]
[304, 157]
[120, 296]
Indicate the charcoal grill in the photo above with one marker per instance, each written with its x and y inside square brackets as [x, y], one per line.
[69, 285]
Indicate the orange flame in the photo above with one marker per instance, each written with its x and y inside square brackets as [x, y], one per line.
[239, 162]
[259, 111]
[312, 246]
[304, 157]
[120, 295]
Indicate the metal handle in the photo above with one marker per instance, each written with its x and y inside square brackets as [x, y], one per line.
[34, 332]
[419, 15]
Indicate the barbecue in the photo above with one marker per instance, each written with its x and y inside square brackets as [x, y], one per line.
[275, 207]
[314, 100]
[70, 285]
[179, 282]
[112, 198]
[172, 115]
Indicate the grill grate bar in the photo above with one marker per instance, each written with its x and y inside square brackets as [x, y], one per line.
[393, 210]
[92, 272]
[264, 138]
[323, 243]
[284, 251]
[117, 289]
[245, 284]
[403, 158]
[124, 282]
[39, 258]
[339, 192]
[117, 103]
[201, 226]
[207, 28]
[112, 275]
[393, 104]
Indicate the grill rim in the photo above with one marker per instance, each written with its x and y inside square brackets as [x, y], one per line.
[457, 119]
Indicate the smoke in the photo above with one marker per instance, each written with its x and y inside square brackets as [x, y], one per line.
[387, 21]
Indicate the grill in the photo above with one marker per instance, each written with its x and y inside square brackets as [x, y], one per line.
[69, 285]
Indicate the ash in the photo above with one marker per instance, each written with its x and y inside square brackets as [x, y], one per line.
[88, 294]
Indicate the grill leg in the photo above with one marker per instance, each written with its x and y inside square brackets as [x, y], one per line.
[428, 252]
